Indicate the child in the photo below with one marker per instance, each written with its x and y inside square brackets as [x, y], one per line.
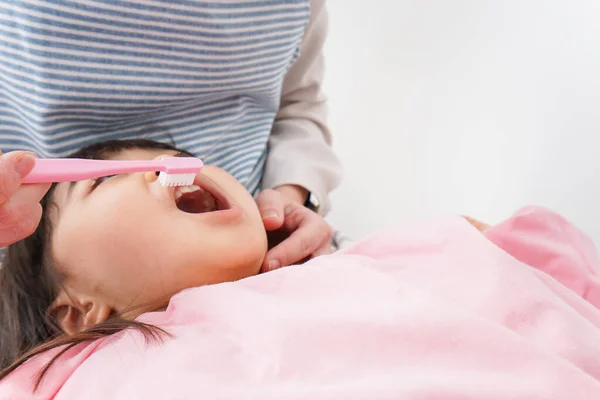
[88, 262]
[392, 317]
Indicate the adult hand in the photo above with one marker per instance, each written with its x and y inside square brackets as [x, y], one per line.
[20, 209]
[295, 232]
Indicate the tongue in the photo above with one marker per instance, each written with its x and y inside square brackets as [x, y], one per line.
[197, 202]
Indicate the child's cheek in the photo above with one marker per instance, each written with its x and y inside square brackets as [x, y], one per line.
[160, 194]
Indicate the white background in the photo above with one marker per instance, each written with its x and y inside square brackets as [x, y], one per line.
[454, 106]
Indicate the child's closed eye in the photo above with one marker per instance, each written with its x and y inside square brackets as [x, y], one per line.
[96, 182]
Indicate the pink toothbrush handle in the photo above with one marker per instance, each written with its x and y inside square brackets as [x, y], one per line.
[73, 169]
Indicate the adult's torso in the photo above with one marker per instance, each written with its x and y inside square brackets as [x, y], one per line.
[206, 75]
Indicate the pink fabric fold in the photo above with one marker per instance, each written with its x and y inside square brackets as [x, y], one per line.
[434, 310]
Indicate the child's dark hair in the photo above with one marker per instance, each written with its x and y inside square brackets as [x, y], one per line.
[29, 284]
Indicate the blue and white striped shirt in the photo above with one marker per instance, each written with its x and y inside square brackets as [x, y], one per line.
[205, 74]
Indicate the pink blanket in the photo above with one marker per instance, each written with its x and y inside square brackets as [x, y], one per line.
[430, 311]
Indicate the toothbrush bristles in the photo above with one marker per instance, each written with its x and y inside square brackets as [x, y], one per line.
[176, 179]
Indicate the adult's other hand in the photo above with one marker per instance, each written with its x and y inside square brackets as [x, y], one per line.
[295, 232]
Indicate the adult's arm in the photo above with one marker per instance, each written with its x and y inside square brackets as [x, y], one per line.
[300, 152]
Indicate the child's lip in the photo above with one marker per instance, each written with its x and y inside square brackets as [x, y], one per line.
[208, 185]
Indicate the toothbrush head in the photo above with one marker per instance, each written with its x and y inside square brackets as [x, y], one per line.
[179, 171]
[176, 179]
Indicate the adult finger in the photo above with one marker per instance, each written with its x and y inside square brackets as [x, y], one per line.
[325, 249]
[13, 167]
[20, 216]
[271, 206]
[31, 193]
[310, 232]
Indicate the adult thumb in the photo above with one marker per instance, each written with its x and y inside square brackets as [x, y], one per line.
[270, 205]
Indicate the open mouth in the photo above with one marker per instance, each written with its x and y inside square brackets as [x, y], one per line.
[198, 200]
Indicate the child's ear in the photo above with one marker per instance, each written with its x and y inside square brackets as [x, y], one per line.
[74, 313]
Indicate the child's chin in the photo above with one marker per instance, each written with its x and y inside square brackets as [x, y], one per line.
[246, 268]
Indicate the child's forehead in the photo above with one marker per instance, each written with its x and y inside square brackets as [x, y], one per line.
[140, 154]
[63, 190]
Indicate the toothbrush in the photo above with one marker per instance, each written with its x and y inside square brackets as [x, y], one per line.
[174, 171]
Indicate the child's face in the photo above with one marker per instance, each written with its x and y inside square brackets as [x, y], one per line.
[126, 242]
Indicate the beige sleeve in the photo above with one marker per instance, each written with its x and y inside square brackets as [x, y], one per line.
[300, 150]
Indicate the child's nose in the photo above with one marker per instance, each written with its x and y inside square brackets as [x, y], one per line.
[151, 177]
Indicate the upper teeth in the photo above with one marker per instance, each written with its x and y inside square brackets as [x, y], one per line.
[180, 190]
